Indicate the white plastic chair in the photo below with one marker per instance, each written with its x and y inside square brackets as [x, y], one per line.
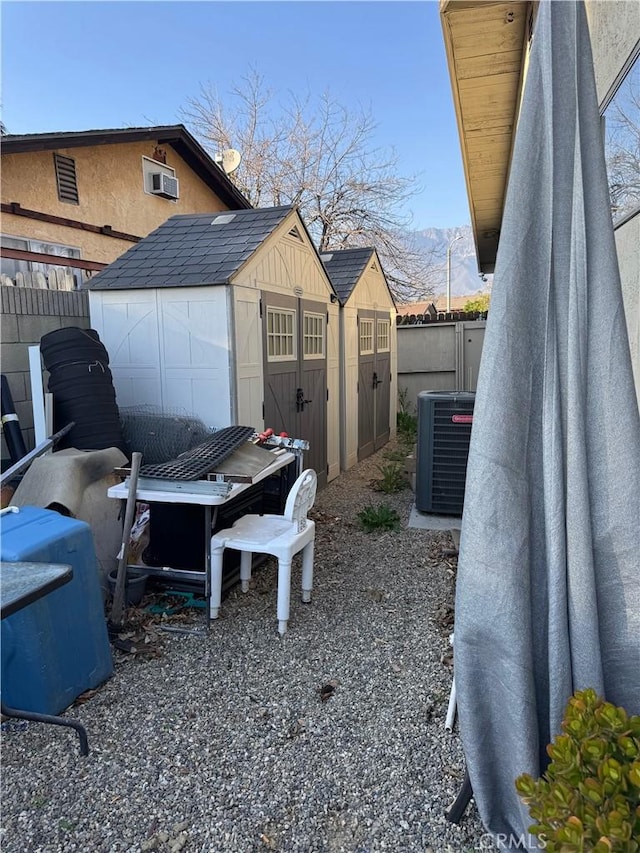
[282, 536]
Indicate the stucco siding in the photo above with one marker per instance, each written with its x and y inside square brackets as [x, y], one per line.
[614, 26]
[627, 243]
[111, 192]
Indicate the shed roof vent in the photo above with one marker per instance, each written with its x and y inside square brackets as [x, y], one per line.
[223, 219]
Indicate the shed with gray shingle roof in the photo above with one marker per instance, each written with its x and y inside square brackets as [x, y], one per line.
[222, 316]
[368, 352]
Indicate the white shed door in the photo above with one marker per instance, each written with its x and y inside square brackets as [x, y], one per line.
[127, 322]
[195, 352]
[168, 348]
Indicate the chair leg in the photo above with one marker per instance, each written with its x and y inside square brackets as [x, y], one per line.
[307, 571]
[245, 569]
[284, 591]
[217, 553]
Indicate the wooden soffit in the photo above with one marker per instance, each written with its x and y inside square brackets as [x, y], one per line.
[486, 44]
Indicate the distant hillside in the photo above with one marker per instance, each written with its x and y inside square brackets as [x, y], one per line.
[465, 279]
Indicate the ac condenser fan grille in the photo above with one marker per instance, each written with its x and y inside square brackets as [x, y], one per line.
[444, 432]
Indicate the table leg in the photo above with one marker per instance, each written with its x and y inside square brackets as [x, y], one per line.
[49, 718]
[210, 520]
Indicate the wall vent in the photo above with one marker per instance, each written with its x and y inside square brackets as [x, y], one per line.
[66, 178]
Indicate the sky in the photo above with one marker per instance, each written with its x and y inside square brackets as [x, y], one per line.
[88, 65]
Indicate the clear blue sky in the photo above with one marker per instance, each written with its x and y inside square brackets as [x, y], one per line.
[84, 65]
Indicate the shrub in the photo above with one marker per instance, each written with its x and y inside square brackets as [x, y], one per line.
[407, 425]
[403, 401]
[589, 797]
[397, 455]
[392, 479]
[381, 517]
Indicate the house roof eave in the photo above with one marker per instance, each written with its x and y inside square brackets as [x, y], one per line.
[175, 135]
[486, 45]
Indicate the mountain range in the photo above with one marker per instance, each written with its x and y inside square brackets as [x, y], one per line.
[465, 279]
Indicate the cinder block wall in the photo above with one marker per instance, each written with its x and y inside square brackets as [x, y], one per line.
[27, 315]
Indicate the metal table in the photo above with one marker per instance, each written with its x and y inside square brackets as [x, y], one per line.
[20, 585]
[199, 493]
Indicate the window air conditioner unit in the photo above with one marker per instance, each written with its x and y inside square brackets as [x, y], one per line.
[164, 185]
[444, 431]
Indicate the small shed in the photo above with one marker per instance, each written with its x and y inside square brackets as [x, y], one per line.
[229, 316]
[368, 352]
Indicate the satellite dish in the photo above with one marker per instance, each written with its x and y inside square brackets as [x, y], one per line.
[229, 160]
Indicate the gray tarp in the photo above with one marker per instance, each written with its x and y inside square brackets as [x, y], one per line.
[548, 589]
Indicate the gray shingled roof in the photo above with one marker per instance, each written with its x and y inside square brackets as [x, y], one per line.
[344, 267]
[194, 249]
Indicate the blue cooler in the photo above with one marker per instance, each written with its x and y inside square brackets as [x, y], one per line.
[58, 647]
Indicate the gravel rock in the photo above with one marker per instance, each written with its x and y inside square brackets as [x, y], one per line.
[330, 738]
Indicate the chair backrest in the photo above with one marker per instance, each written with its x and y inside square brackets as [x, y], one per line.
[301, 498]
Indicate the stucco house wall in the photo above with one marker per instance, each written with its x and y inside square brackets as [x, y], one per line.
[109, 168]
[614, 26]
[111, 192]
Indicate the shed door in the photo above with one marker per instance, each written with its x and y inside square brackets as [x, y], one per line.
[374, 381]
[295, 396]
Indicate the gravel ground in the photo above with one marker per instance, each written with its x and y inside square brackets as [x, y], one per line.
[228, 741]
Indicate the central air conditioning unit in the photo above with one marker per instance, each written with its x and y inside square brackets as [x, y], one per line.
[444, 431]
[164, 185]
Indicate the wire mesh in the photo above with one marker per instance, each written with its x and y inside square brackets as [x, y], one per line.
[161, 434]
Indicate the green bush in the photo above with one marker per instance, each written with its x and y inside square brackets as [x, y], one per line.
[381, 517]
[407, 425]
[392, 479]
[397, 455]
[589, 797]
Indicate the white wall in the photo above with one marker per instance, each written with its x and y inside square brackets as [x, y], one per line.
[439, 357]
[249, 378]
[614, 27]
[168, 348]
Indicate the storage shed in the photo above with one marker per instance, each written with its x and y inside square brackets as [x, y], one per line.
[368, 352]
[230, 316]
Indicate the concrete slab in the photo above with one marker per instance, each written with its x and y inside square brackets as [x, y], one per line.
[423, 521]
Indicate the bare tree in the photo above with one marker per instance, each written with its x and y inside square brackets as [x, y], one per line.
[321, 157]
[622, 148]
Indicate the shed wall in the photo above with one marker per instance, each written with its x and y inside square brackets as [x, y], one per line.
[249, 377]
[370, 293]
[289, 266]
[169, 348]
